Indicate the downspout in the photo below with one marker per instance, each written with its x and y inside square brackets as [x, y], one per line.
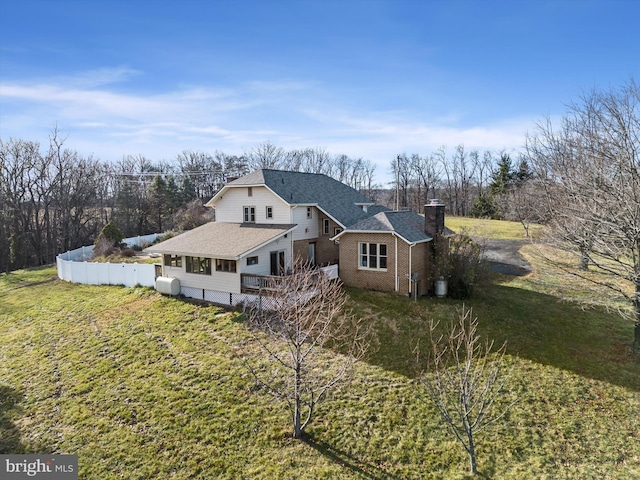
[292, 259]
[396, 265]
[409, 273]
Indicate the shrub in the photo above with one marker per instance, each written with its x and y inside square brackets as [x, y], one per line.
[128, 252]
[464, 267]
[110, 236]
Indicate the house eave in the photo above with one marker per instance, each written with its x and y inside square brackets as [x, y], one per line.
[267, 242]
[379, 232]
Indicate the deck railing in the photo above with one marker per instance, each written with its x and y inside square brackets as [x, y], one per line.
[253, 282]
[250, 281]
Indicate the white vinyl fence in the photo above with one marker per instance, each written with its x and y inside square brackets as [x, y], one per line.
[74, 267]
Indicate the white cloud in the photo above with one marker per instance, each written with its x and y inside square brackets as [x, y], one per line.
[289, 114]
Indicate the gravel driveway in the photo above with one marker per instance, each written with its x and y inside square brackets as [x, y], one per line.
[504, 256]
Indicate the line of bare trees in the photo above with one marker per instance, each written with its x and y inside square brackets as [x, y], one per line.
[470, 183]
[54, 199]
[587, 167]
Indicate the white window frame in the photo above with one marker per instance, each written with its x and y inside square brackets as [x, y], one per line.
[366, 258]
[325, 226]
[309, 212]
[249, 214]
[268, 211]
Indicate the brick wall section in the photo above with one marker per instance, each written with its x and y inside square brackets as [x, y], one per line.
[301, 250]
[326, 250]
[421, 263]
[351, 275]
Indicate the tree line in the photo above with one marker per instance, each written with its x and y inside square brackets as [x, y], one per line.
[54, 199]
[470, 183]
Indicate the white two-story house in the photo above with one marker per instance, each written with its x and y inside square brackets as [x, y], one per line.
[268, 218]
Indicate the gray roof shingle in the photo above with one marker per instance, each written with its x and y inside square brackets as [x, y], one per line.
[333, 197]
[408, 225]
[220, 240]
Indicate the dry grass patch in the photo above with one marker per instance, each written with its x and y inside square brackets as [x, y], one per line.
[487, 228]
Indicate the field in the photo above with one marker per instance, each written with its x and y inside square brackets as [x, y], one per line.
[143, 386]
[481, 227]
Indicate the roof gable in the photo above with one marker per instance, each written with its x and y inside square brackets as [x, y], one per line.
[336, 199]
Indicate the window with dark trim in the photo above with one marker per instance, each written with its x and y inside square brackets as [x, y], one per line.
[225, 265]
[252, 260]
[372, 256]
[200, 265]
[249, 214]
[269, 213]
[173, 261]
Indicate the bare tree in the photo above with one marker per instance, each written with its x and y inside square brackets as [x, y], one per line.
[302, 316]
[265, 155]
[464, 381]
[590, 170]
[204, 171]
[522, 203]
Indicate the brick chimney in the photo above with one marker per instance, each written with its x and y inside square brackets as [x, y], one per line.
[434, 218]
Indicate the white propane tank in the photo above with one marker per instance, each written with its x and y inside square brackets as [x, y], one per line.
[168, 286]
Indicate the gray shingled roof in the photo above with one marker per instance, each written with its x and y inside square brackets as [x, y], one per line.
[408, 225]
[333, 197]
[220, 240]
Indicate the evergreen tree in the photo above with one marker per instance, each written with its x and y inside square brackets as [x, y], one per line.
[187, 191]
[523, 173]
[158, 199]
[485, 207]
[502, 178]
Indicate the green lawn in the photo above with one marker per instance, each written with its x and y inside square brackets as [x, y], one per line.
[143, 386]
[482, 227]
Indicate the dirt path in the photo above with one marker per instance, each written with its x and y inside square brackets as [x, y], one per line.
[504, 256]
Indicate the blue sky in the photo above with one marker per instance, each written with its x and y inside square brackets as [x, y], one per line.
[370, 79]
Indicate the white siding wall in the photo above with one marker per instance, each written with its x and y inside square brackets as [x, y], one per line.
[230, 207]
[307, 227]
[264, 258]
[222, 281]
